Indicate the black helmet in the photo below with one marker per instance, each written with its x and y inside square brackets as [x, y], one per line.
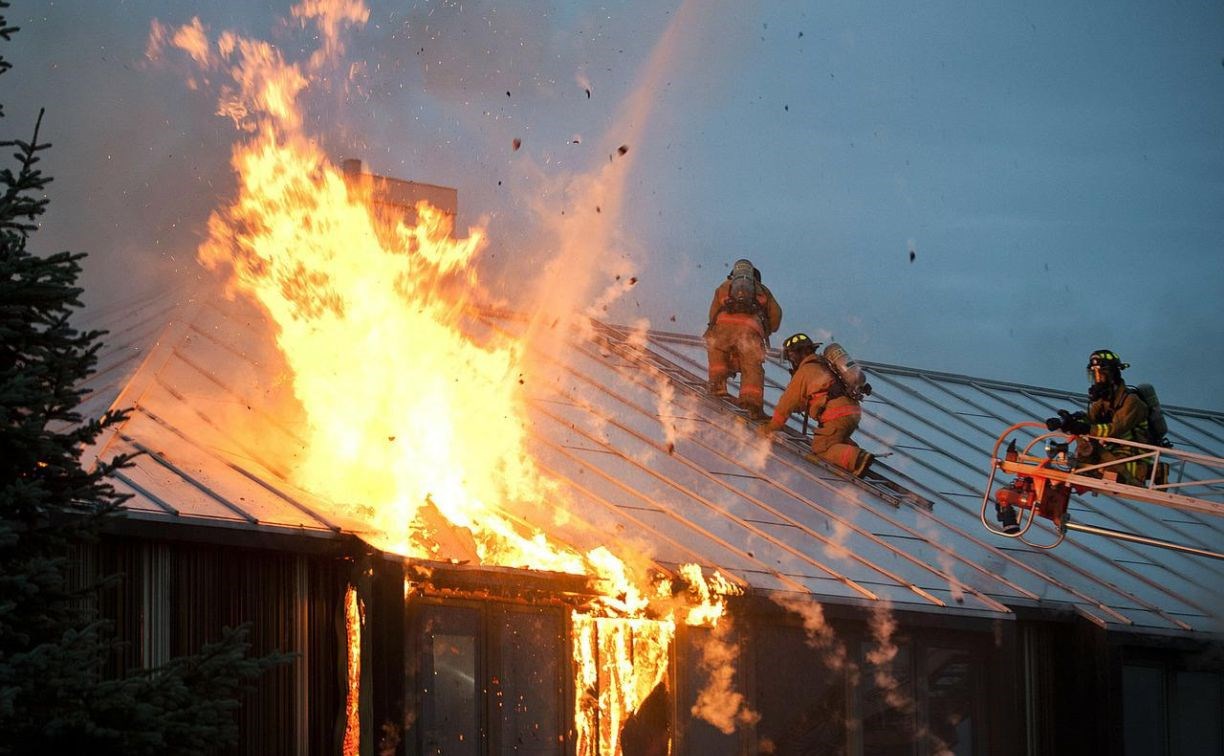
[1104, 364]
[796, 347]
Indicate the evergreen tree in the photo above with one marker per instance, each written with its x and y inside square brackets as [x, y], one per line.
[54, 696]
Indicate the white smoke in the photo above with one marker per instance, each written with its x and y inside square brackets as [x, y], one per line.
[882, 655]
[819, 634]
[718, 702]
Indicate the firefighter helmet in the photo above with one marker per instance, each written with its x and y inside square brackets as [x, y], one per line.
[1105, 367]
[796, 347]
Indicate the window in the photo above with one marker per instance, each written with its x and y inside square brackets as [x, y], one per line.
[487, 679]
[448, 680]
[887, 703]
[902, 697]
[801, 700]
[1171, 711]
[1197, 724]
[528, 690]
[952, 700]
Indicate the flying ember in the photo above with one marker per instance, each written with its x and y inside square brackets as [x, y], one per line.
[413, 417]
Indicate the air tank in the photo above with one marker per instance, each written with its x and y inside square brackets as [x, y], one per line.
[841, 361]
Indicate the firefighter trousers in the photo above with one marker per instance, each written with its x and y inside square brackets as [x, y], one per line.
[832, 443]
[730, 346]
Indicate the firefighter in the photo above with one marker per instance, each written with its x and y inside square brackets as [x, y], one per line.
[816, 386]
[743, 314]
[1114, 411]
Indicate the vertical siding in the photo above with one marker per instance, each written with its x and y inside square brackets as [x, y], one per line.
[171, 598]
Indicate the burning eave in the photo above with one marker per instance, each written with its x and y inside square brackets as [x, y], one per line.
[538, 587]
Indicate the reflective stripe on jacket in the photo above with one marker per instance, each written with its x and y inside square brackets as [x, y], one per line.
[834, 411]
[1124, 416]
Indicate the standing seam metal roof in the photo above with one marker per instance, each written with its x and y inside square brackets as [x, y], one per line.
[647, 459]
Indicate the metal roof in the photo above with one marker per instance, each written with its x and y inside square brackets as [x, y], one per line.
[652, 463]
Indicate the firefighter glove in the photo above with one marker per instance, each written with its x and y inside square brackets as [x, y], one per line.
[1075, 426]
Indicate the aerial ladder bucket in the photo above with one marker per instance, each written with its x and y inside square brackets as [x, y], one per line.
[1044, 483]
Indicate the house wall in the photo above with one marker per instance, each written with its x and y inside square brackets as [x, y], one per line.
[173, 596]
[1172, 702]
[928, 688]
[1113, 694]
[491, 677]
[462, 670]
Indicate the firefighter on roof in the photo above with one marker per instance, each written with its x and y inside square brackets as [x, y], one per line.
[743, 314]
[1114, 411]
[830, 387]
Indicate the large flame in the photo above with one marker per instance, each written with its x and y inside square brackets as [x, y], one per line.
[414, 420]
[405, 409]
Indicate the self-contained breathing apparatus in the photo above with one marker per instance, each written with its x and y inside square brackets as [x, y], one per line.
[848, 376]
[1105, 372]
[742, 294]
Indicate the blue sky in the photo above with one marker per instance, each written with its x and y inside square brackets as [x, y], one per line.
[1056, 168]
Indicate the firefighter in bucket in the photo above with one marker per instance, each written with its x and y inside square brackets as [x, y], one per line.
[743, 314]
[1114, 411]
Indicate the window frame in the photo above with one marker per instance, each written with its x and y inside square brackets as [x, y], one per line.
[488, 620]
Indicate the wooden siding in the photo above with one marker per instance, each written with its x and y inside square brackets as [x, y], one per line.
[172, 597]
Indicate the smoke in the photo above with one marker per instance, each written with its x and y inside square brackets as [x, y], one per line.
[132, 185]
[667, 412]
[819, 634]
[581, 215]
[946, 563]
[881, 656]
[718, 702]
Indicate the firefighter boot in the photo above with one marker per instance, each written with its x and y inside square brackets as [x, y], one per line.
[756, 412]
[863, 463]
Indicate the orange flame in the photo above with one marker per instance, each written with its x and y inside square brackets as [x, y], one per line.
[413, 416]
[619, 661]
[404, 409]
[354, 618]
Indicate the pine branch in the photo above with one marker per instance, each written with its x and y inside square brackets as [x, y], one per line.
[17, 202]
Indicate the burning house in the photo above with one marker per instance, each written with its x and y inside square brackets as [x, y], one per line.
[484, 530]
[644, 574]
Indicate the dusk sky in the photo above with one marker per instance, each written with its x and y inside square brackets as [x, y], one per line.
[995, 189]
